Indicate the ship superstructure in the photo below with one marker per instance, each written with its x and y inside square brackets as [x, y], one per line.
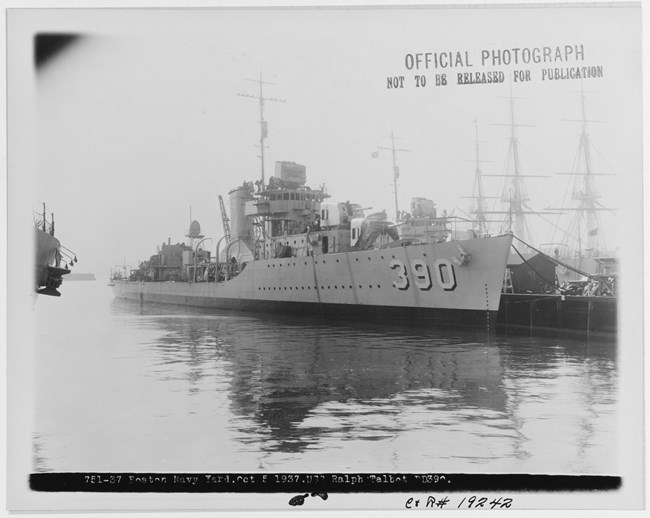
[290, 247]
[308, 254]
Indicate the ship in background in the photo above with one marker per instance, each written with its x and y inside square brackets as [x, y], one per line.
[583, 248]
[581, 257]
[556, 286]
[49, 257]
[289, 247]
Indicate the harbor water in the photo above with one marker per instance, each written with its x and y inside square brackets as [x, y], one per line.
[130, 387]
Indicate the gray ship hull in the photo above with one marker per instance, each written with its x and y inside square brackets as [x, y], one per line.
[455, 283]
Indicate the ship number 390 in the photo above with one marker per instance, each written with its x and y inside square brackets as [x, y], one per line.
[443, 270]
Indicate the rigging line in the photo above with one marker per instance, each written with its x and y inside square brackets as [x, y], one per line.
[503, 182]
[557, 227]
[569, 189]
[601, 156]
[558, 262]
[530, 156]
[602, 206]
[465, 213]
[550, 283]
[548, 202]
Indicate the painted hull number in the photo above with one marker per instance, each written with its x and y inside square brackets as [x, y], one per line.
[443, 271]
[402, 282]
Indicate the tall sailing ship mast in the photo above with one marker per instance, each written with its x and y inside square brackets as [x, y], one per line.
[583, 237]
[514, 193]
[478, 208]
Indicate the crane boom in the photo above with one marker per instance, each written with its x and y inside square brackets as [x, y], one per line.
[225, 220]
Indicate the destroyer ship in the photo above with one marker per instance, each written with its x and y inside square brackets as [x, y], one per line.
[289, 248]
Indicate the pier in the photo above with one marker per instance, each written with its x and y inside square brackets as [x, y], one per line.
[557, 312]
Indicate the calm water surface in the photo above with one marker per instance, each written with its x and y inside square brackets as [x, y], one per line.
[130, 387]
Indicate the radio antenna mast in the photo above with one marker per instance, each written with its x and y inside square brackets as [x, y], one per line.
[394, 150]
[264, 130]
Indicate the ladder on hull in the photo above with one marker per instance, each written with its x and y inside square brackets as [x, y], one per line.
[507, 282]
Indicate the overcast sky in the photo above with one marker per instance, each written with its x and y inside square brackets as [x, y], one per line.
[140, 118]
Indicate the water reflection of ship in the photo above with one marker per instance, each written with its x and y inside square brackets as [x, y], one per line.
[298, 385]
[280, 373]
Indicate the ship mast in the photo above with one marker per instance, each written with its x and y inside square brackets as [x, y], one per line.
[518, 195]
[585, 192]
[394, 152]
[514, 193]
[480, 223]
[264, 130]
